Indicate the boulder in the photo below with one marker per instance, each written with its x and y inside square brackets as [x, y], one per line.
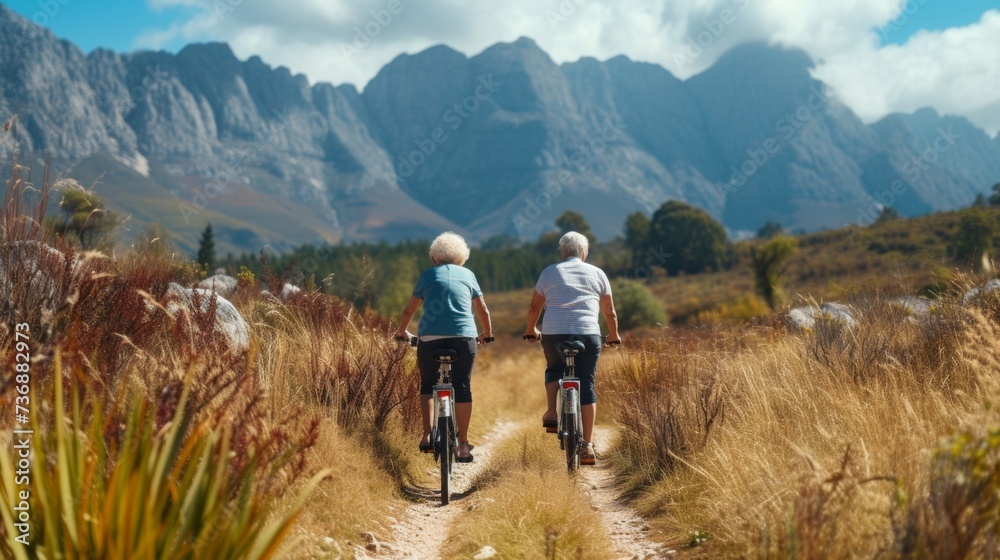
[33, 278]
[181, 303]
[222, 284]
[838, 312]
[806, 317]
[802, 318]
[986, 288]
[289, 290]
[913, 306]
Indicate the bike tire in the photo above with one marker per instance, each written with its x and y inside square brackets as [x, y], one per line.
[571, 444]
[445, 453]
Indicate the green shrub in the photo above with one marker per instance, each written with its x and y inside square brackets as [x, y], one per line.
[636, 306]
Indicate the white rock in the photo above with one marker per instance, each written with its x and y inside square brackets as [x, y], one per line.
[838, 312]
[288, 290]
[986, 288]
[913, 305]
[802, 318]
[805, 318]
[222, 284]
[228, 321]
[485, 552]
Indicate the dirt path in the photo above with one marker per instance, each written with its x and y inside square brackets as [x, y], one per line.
[629, 532]
[422, 531]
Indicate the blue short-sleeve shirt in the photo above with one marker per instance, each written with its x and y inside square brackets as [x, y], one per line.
[447, 291]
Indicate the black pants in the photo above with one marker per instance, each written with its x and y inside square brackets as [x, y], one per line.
[461, 370]
[584, 363]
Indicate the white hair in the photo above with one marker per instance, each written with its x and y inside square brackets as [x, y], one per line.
[574, 244]
[449, 248]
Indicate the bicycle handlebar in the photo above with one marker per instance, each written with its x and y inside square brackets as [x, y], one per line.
[414, 340]
[604, 340]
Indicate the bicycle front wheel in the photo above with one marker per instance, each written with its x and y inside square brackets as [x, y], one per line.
[445, 455]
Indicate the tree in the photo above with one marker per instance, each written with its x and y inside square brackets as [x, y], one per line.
[636, 306]
[568, 221]
[687, 239]
[206, 249]
[888, 214]
[768, 262]
[974, 239]
[980, 201]
[995, 197]
[84, 217]
[769, 230]
[636, 235]
[574, 221]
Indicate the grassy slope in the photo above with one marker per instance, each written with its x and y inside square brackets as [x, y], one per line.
[898, 257]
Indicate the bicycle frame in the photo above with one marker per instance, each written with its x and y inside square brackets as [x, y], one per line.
[570, 425]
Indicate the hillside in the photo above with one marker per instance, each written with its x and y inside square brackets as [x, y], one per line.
[499, 142]
[901, 257]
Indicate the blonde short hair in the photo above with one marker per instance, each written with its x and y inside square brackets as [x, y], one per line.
[449, 248]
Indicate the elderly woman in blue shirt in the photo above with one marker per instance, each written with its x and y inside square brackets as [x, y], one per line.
[449, 294]
[572, 292]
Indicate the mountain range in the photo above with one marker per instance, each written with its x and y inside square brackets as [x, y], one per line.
[498, 143]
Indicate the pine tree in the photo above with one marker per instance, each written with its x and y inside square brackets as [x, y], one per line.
[206, 249]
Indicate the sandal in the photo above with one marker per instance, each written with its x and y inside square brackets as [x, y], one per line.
[464, 458]
[426, 447]
[587, 456]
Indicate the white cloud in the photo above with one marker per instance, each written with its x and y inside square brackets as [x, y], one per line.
[342, 41]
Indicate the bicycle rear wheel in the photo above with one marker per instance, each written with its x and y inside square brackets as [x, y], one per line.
[571, 438]
[445, 456]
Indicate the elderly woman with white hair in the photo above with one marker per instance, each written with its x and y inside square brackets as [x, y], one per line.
[571, 293]
[449, 293]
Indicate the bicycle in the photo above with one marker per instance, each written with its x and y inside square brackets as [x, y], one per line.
[569, 427]
[444, 434]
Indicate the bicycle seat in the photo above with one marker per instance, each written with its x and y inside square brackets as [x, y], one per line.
[445, 355]
[571, 347]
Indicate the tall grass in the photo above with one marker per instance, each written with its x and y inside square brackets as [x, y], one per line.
[170, 492]
[529, 508]
[827, 445]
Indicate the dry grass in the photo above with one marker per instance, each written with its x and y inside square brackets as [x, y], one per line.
[529, 507]
[819, 436]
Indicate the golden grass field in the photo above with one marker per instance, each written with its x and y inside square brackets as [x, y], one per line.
[736, 436]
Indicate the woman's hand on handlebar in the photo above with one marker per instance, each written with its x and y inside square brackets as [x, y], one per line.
[485, 338]
[532, 334]
[403, 335]
[614, 340]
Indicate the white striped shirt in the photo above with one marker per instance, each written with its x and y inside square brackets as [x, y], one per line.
[572, 290]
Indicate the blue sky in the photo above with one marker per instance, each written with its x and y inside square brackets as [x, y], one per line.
[880, 56]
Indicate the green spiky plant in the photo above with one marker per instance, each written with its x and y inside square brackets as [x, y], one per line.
[161, 493]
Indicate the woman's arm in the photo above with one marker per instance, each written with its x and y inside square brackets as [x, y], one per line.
[479, 304]
[611, 316]
[534, 310]
[404, 322]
